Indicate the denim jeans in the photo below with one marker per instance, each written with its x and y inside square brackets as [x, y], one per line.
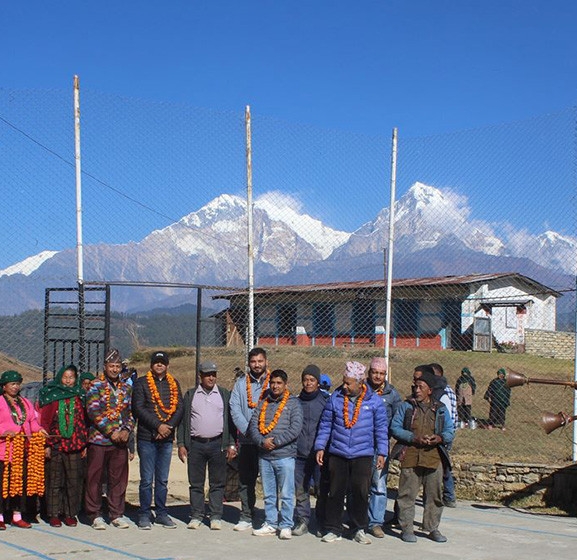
[278, 480]
[154, 459]
[378, 495]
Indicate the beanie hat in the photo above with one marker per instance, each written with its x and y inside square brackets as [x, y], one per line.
[10, 376]
[313, 370]
[429, 378]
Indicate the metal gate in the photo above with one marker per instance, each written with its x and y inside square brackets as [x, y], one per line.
[76, 328]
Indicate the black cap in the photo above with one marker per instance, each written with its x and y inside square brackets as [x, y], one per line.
[157, 357]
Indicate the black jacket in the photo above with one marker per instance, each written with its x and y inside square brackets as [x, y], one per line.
[143, 408]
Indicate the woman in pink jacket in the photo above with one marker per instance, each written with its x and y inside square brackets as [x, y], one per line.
[17, 415]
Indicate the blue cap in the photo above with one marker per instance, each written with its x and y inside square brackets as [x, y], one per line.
[325, 381]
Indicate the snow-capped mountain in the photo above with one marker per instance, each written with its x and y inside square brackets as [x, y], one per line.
[435, 231]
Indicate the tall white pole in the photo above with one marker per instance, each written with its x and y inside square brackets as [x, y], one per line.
[79, 247]
[249, 209]
[390, 247]
[574, 451]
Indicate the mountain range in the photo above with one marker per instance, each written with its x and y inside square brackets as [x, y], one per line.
[435, 235]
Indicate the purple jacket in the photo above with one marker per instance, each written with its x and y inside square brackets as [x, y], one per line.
[369, 434]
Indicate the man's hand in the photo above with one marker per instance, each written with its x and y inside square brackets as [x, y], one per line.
[164, 431]
[422, 441]
[380, 462]
[123, 436]
[47, 453]
[320, 457]
[434, 439]
[231, 453]
[182, 453]
[268, 443]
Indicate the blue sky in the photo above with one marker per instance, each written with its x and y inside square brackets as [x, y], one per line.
[356, 68]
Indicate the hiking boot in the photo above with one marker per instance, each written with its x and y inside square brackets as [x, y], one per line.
[361, 537]
[300, 529]
[437, 536]
[265, 531]
[377, 532]
[450, 503]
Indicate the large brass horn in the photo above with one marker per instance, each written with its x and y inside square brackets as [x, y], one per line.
[551, 421]
[515, 379]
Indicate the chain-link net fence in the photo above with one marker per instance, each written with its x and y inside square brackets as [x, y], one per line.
[483, 261]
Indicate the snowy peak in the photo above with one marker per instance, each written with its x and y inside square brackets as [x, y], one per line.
[286, 209]
[29, 265]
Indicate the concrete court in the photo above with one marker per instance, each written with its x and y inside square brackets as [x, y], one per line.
[475, 531]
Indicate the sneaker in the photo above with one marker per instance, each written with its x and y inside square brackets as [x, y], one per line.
[215, 524]
[285, 534]
[70, 521]
[450, 503]
[361, 537]
[242, 526]
[331, 537]
[437, 536]
[300, 529]
[55, 522]
[99, 524]
[265, 531]
[408, 537]
[194, 524]
[165, 522]
[121, 522]
[144, 524]
[377, 532]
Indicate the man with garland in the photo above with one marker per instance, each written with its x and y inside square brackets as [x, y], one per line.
[108, 402]
[377, 381]
[157, 406]
[352, 429]
[274, 427]
[249, 389]
[205, 437]
[422, 427]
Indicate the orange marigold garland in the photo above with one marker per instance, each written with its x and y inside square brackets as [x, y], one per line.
[252, 404]
[114, 413]
[13, 476]
[350, 423]
[35, 472]
[262, 428]
[157, 401]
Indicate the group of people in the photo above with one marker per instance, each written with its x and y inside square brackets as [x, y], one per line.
[335, 444]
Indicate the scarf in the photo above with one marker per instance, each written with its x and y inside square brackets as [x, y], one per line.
[55, 391]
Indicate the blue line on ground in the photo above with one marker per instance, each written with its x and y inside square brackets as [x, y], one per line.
[97, 545]
[28, 550]
[509, 527]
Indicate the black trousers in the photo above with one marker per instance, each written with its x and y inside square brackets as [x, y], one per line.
[354, 476]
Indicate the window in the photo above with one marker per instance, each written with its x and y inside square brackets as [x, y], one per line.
[323, 319]
[405, 317]
[363, 319]
[286, 319]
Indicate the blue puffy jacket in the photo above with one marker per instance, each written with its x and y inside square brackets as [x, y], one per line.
[369, 433]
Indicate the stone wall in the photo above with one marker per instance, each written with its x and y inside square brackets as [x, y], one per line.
[550, 344]
[548, 486]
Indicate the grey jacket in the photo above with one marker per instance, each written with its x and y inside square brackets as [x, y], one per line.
[285, 433]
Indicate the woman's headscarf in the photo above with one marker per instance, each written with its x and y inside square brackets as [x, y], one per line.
[55, 391]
